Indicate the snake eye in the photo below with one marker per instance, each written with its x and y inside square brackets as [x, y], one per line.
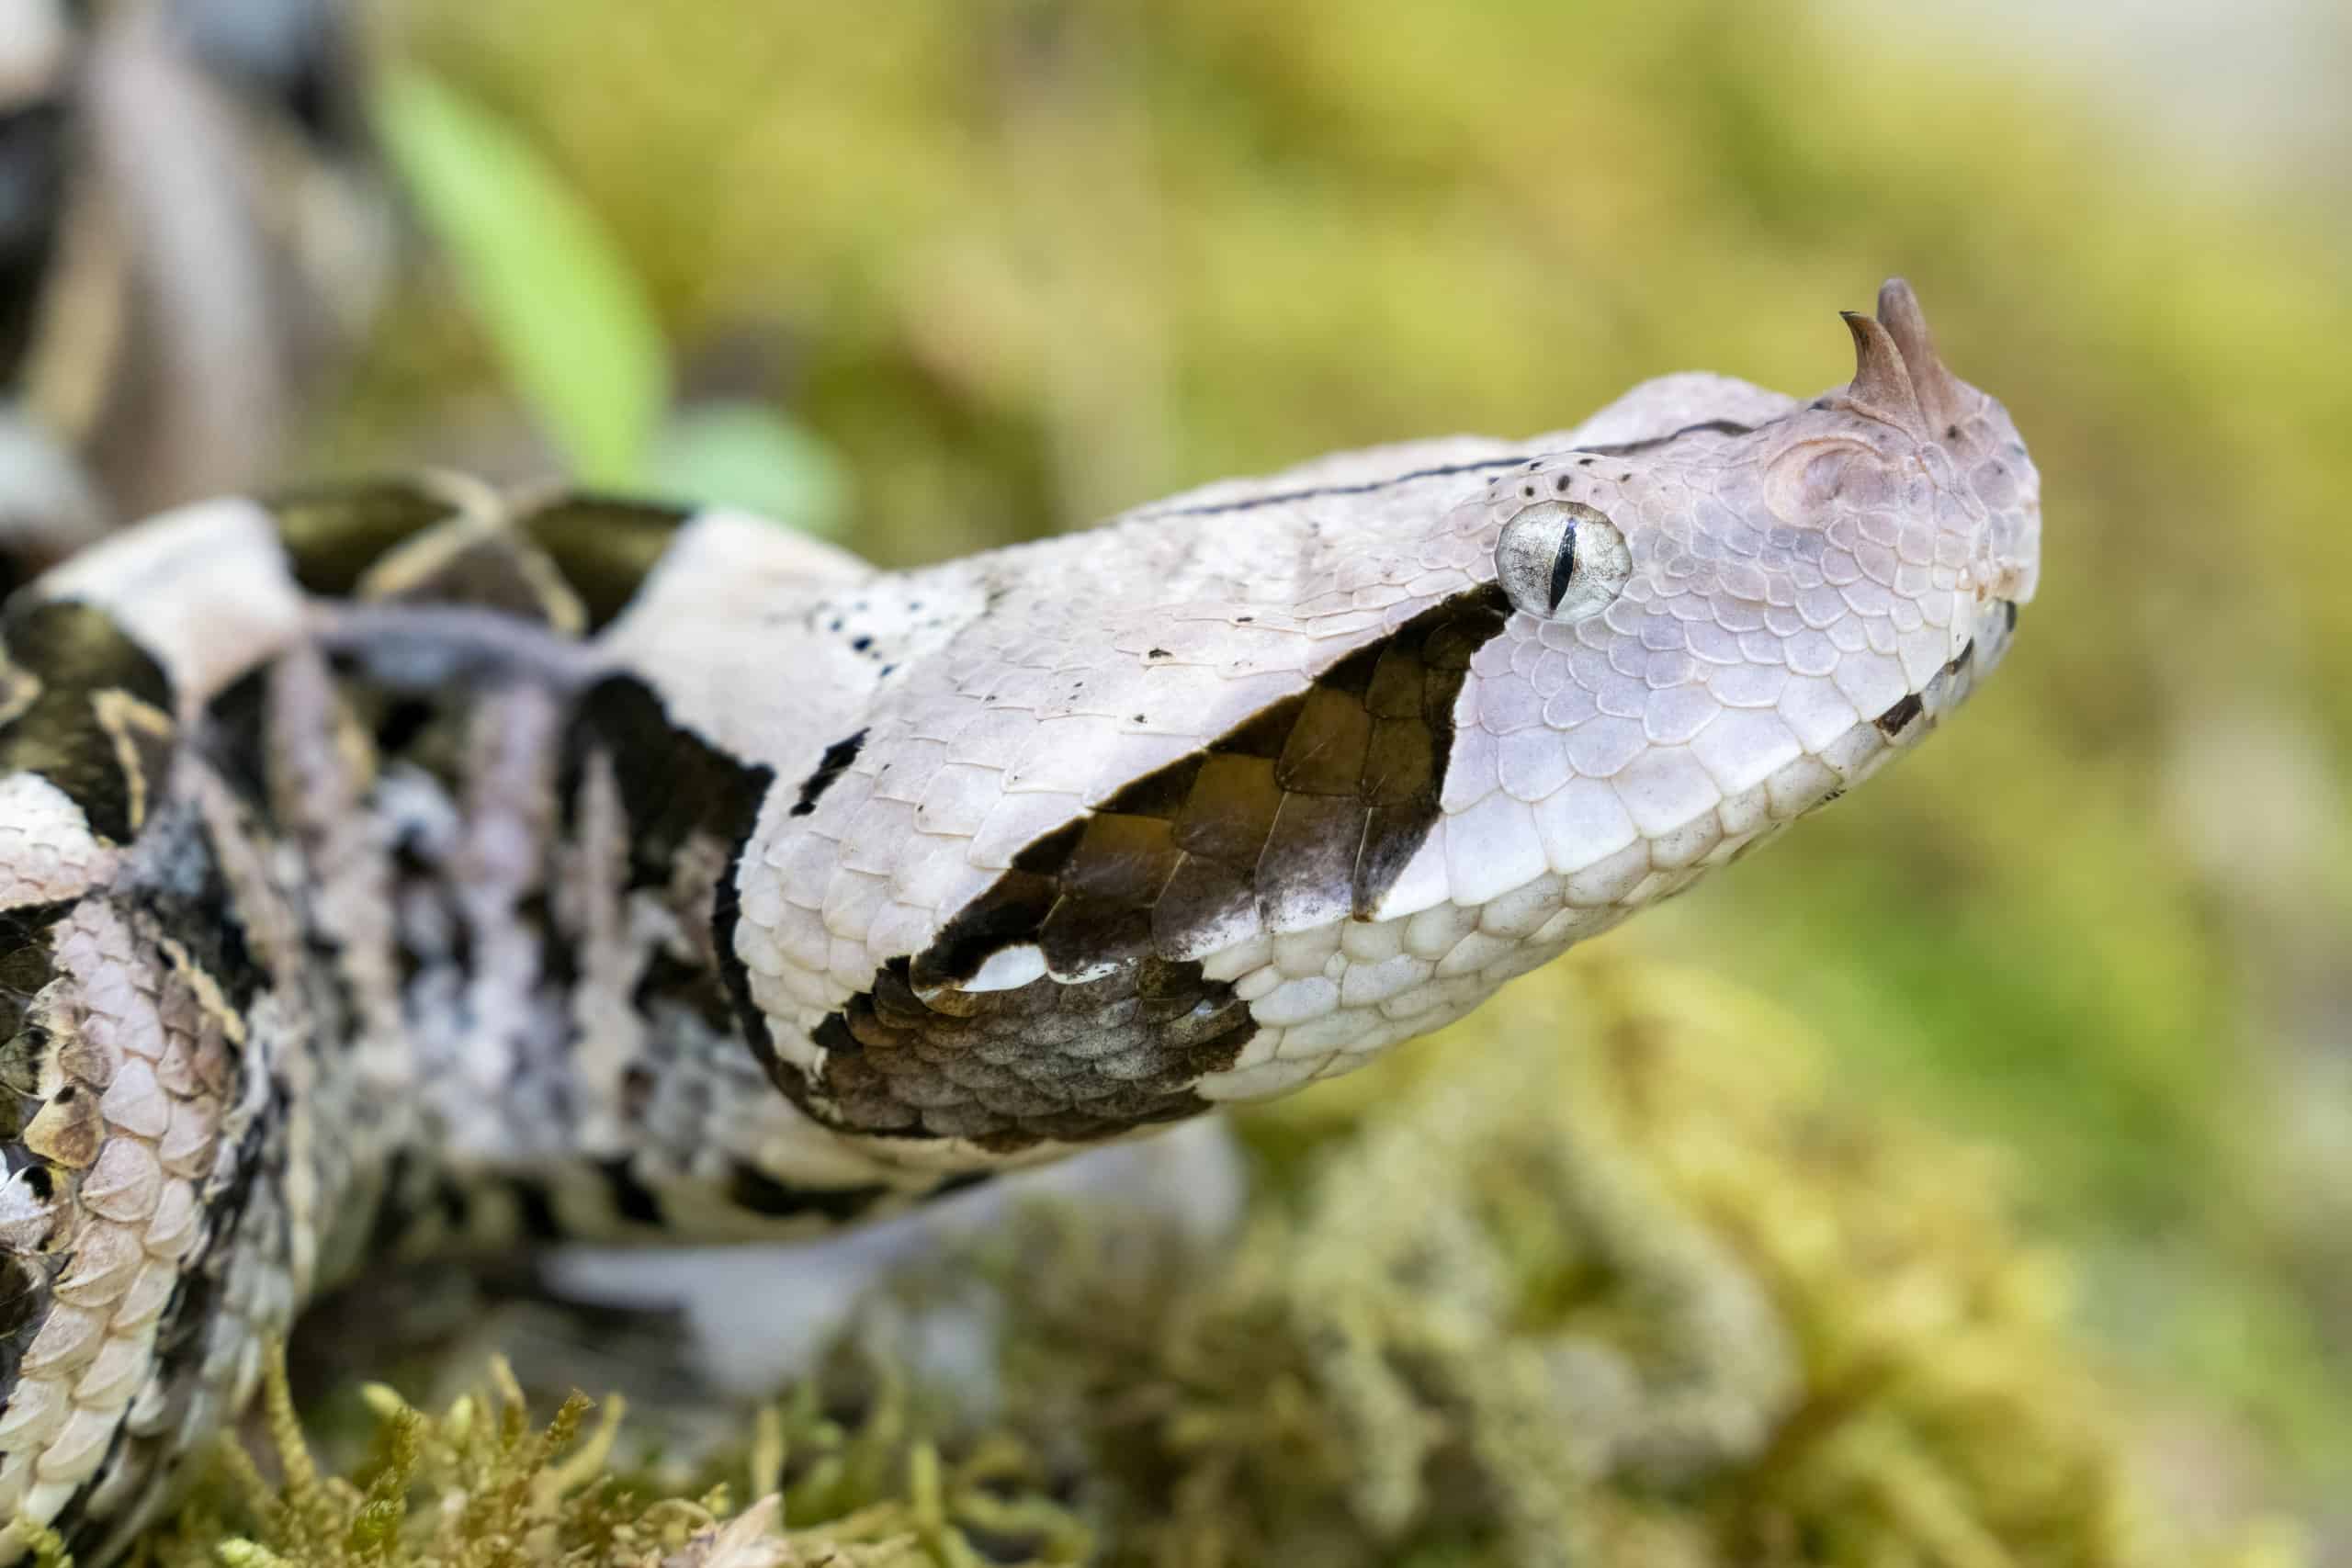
[1561, 560]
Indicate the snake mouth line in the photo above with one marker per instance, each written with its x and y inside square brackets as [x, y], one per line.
[1949, 686]
[1994, 635]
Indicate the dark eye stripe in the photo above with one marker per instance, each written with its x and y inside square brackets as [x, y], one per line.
[1564, 564]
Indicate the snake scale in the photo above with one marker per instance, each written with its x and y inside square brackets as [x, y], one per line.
[406, 868]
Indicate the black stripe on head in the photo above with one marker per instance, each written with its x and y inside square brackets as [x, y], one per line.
[65, 656]
[1442, 470]
[605, 547]
[1649, 443]
[1315, 492]
[1307, 811]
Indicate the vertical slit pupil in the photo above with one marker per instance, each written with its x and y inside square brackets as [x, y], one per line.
[1564, 564]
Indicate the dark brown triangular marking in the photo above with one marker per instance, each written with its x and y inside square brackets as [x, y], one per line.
[1308, 809]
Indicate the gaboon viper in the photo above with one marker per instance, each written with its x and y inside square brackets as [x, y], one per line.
[405, 868]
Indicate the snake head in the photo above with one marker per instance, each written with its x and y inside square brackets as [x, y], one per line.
[1737, 620]
[1265, 778]
[1960, 435]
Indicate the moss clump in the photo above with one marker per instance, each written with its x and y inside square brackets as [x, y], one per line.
[1606, 1275]
[479, 1486]
[1609, 1275]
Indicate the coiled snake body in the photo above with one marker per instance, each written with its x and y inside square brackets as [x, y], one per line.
[397, 869]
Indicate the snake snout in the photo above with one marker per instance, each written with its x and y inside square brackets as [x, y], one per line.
[1901, 378]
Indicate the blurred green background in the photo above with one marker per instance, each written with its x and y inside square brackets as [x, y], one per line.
[939, 276]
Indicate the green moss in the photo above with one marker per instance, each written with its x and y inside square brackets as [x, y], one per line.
[479, 1486]
[1609, 1275]
[1613, 1275]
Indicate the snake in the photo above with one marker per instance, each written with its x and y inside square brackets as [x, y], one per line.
[410, 868]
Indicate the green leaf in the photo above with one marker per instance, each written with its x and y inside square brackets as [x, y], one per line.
[745, 455]
[569, 321]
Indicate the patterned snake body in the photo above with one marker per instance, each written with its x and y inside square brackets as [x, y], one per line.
[395, 869]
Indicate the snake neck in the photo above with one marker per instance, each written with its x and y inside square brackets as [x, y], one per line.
[413, 951]
[512, 893]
